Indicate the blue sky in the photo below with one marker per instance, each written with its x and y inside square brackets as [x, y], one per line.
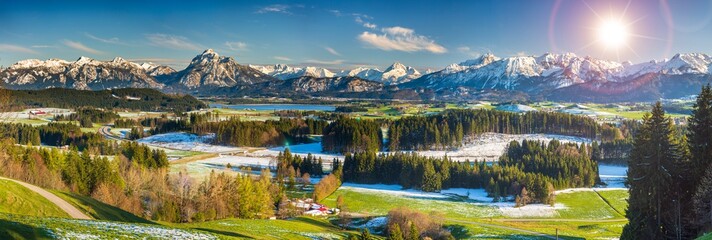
[346, 34]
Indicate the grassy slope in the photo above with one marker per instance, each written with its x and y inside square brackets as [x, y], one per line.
[587, 205]
[98, 209]
[17, 199]
[298, 228]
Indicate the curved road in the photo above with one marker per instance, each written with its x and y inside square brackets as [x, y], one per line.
[64, 205]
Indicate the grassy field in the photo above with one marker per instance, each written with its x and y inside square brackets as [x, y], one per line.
[379, 204]
[617, 199]
[298, 228]
[585, 214]
[588, 205]
[17, 199]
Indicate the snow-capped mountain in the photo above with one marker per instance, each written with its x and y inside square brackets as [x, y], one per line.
[397, 73]
[210, 70]
[283, 72]
[157, 70]
[84, 73]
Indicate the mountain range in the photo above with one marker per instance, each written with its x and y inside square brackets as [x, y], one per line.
[550, 76]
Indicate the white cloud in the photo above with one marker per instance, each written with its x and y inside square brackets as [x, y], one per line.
[81, 47]
[333, 62]
[281, 58]
[359, 20]
[400, 39]
[16, 48]
[336, 12]
[113, 40]
[43, 46]
[170, 41]
[275, 8]
[236, 46]
[332, 51]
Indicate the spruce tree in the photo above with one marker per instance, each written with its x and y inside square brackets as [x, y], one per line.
[699, 134]
[395, 233]
[652, 180]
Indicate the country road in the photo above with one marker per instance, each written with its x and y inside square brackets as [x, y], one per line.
[64, 205]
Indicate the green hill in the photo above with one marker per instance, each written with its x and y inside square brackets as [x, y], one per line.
[16, 199]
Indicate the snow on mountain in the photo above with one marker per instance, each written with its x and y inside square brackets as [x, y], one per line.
[211, 70]
[283, 72]
[84, 73]
[561, 70]
[157, 70]
[363, 73]
[395, 74]
[399, 73]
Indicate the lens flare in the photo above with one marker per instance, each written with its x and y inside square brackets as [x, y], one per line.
[613, 33]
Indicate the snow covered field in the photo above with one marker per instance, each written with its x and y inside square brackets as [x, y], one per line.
[186, 141]
[128, 231]
[490, 146]
[239, 161]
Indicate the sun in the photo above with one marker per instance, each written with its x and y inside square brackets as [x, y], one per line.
[613, 33]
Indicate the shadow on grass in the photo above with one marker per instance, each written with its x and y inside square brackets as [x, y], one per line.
[224, 233]
[315, 222]
[461, 232]
[103, 211]
[16, 230]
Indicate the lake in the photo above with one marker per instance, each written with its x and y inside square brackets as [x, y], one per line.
[277, 107]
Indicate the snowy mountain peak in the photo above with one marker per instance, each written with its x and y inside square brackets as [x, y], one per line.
[118, 60]
[83, 60]
[395, 65]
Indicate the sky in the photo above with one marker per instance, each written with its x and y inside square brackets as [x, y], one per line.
[347, 34]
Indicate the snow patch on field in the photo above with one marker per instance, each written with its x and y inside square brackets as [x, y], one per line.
[186, 142]
[490, 146]
[531, 210]
[238, 161]
[131, 231]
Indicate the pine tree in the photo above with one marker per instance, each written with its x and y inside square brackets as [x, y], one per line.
[699, 143]
[395, 233]
[652, 180]
[702, 201]
[414, 234]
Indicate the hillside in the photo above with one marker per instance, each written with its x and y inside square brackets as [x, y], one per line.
[128, 98]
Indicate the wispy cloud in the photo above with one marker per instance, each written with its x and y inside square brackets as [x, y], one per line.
[171, 41]
[401, 39]
[113, 40]
[43, 46]
[281, 58]
[81, 47]
[359, 18]
[468, 51]
[321, 62]
[236, 46]
[336, 12]
[332, 51]
[16, 48]
[275, 8]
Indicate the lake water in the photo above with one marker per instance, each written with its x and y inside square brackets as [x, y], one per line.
[277, 107]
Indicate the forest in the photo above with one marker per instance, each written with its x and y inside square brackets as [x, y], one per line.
[449, 129]
[352, 135]
[150, 99]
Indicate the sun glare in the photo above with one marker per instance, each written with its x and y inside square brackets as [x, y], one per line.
[613, 33]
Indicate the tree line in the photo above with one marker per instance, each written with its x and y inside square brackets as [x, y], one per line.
[535, 168]
[450, 128]
[670, 175]
[86, 116]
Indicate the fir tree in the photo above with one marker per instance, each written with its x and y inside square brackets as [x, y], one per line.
[652, 180]
[395, 233]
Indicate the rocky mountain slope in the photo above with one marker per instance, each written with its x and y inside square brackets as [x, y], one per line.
[549, 76]
[84, 73]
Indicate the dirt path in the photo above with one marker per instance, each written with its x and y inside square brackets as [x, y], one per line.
[64, 205]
